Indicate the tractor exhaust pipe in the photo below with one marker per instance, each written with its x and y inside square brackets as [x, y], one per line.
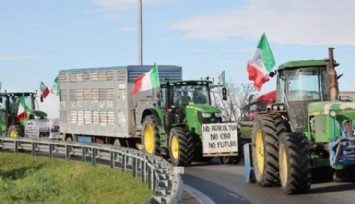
[332, 76]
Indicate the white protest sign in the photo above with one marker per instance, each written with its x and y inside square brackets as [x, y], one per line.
[220, 138]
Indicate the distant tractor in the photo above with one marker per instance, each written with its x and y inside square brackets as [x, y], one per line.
[306, 128]
[30, 123]
[260, 103]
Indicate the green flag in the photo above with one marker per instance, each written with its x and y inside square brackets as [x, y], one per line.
[222, 78]
[56, 86]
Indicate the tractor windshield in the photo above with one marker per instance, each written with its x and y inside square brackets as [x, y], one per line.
[186, 94]
[302, 84]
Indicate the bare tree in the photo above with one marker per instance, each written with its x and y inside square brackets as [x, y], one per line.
[238, 98]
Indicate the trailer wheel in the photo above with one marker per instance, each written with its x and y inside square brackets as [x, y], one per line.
[150, 137]
[15, 131]
[265, 151]
[180, 147]
[294, 163]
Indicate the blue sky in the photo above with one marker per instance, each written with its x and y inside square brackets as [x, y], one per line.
[40, 38]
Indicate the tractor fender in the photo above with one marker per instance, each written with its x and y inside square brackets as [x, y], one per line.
[151, 111]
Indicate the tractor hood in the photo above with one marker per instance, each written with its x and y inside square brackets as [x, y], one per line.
[325, 107]
[204, 108]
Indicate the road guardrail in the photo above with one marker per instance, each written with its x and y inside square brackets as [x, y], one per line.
[161, 176]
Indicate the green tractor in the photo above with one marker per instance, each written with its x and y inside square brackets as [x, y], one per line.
[305, 130]
[14, 121]
[181, 118]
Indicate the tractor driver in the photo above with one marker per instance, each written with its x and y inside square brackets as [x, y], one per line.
[183, 100]
[199, 97]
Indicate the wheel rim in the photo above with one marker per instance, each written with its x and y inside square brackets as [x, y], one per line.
[283, 170]
[259, 146]
[13, 133]
[149, 139]
[175, 147]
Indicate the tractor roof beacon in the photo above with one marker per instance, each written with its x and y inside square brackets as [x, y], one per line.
[307, 127]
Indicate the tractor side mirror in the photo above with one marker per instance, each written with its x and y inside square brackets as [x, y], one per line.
[224, 93]
[272, 74]
[0, 99]
[41, 99]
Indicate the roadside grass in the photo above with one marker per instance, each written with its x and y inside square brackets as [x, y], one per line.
[28, 179]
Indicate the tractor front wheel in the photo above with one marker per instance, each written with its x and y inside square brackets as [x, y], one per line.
[294, 163]
[265, 150]
[15, 131]
[180, 147]
[150, 136]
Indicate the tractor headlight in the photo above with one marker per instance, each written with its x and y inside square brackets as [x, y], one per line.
[274, 107]
[332, 113]
[206, 115]
[218, 115]
[282, 107]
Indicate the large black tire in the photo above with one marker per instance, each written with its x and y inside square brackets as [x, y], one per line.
[180, 147]
[15, 131]
[150, 136]
[294, 163]
[265, 142]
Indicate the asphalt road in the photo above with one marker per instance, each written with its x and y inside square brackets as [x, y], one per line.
[226, 184]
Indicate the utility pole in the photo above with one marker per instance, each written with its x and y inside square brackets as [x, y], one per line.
[140, 33]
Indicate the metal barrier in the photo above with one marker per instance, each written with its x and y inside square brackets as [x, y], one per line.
[161, 176]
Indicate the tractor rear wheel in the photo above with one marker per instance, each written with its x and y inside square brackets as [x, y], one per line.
[15, 131]
[265, 150]
[150, 136]
[294, 163]
[180, 147]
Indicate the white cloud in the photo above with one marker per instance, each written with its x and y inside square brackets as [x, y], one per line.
[17, 57]
[222, 50]
[124, 4]
[307, 22]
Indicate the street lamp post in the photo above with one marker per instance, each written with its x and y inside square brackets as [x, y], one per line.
[140, 33]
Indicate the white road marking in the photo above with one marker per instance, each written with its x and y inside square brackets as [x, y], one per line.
[198, 195]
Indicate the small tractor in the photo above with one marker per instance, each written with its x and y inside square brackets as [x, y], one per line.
[306, 129]
[174, 128]
[34, 123]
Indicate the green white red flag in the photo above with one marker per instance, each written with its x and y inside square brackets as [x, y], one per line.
[222, 78]
[55, 89]
[21, 113]
[261, 63]
[44, 90]
[146, 81]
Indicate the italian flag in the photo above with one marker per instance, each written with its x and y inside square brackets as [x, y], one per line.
[21, 113]
[261, 63]
[44, 90]
[146, 81]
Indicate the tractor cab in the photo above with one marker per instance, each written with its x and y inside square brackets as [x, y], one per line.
[300, 83]
[185, 98]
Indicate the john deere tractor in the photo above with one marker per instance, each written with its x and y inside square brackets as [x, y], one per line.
[174, 127]
[13, 121]
[307, 128]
